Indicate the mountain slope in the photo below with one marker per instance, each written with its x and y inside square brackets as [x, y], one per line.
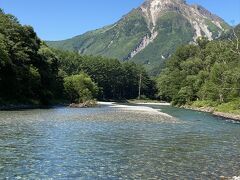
[116, 40]
[148, 34]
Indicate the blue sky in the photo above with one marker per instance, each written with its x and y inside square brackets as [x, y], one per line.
[62, 19]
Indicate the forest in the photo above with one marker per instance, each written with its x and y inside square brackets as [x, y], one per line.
[28, 68]
[31, 72]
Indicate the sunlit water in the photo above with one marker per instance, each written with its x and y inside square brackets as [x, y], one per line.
[105, 143]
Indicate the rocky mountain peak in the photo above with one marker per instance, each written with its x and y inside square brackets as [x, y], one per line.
[195, 14]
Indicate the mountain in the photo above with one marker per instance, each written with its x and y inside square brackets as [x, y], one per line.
[149, 34]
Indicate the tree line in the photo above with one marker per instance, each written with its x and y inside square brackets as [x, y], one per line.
[31, 72]
[115, 80]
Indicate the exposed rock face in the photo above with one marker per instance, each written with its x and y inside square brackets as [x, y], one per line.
[144, 43]
[153, 9]
[197, 15]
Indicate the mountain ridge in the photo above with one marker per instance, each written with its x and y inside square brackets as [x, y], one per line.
[148, 34]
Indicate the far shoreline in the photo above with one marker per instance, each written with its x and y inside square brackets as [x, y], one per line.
[231, 116]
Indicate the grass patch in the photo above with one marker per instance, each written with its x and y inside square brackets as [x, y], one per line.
[230, 107]
[205, 103]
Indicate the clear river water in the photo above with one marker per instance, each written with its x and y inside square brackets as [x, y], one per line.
[110, 143]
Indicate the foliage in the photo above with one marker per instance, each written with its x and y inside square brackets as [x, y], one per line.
[230, 107]
[80, 88]
[208, 72]
[32, 72]
[28, 68]
[205, 103]
[115, 80]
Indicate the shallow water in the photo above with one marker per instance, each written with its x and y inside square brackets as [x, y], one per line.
[107, 143]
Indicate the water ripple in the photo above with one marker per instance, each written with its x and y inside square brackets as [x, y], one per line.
[109, 143]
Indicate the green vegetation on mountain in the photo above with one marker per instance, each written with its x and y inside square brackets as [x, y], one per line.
[115, 41]
[207, 74]
[174, 30]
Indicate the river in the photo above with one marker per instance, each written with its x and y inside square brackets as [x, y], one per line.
[114, 143]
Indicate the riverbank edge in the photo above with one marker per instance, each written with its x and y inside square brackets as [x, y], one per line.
[202, 109]
[212, 111]
[12, 107]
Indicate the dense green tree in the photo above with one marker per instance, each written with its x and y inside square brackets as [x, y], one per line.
[28, 68]
[80, 88]
[205, 71]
